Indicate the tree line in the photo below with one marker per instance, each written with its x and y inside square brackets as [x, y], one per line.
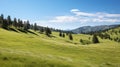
[23, 26]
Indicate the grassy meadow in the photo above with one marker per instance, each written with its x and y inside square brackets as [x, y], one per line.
[19, 49]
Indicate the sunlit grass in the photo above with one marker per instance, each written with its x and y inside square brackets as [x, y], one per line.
[29, 50]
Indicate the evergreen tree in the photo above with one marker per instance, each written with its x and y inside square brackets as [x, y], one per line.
[31, 26]
[15, 22]
[9, 20]
[19, 22]
[63, 35]
[70, 36]
[35, 26]
[48, 31]
[5, 24]
[1, 20]
[25, 26]
[60, 34]
[41, 30]
[95, 39]
[28, 25]
[81, 40]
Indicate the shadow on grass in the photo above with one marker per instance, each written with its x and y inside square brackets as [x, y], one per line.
[12, 29]
[32, 32]
[22, 31]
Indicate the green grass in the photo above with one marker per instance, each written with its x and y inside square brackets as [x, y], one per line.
[29, 50]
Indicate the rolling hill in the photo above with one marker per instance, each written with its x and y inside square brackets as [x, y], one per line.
[19, 49]
[87, 29]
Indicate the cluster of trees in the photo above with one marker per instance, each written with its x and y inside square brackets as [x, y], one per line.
[67, 34]
[93, 40]
[109, 35]
[8, 23]
[61, 34]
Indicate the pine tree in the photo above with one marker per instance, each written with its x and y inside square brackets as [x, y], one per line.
[28, 25]
[70, 37]
[35, 26]
[9, 20]
[18, 24]
[25, 26]
[1, 21]
[31, 26]
[41, 30]
[15, 22]
[5, 24]
[95, 39]
[63, 35]
[60, 34]
[48, 31]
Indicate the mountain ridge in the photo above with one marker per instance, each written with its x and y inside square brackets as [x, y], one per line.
[88, 29]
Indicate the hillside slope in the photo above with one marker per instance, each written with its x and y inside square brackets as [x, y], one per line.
[29, 50]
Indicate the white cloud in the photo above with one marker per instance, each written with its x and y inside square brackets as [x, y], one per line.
[74, 10]
[64, 19]
[84, 17]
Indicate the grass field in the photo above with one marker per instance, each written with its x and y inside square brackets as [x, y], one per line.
[19, 49]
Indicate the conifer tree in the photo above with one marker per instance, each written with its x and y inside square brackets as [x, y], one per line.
[28, 25]
[70, 36]
[95, 39]
[63, 35]
[35, 26]
[15, 22]
[9, 20]
[60, 33]
[48, 31]
[41, 30]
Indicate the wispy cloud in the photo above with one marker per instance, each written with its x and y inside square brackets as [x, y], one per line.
[84, 17]
[64, 19]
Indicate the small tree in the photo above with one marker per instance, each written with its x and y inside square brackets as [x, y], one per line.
[48, 31]
[15, 22]
[60, 34]
[35, 27]
[9, 20]
[70, 37]
[25, 26]
[95, 39]
[41, 30]
[81, 40]
[63, 35]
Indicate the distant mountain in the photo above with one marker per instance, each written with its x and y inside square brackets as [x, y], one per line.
[87, 29]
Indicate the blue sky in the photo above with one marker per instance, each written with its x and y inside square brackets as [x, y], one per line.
[63, 14]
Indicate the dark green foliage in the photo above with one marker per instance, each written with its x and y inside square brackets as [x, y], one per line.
[95, 39]
[31, 26]
[60, 33]
[48, 31]
[9, 20]
[1, 20]
[25, 26]
[15, 22]
[28, 25]
[70, 36]
[41, 30]
[63, 35]
[35, 27]
[5, 24]
[81, 40]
